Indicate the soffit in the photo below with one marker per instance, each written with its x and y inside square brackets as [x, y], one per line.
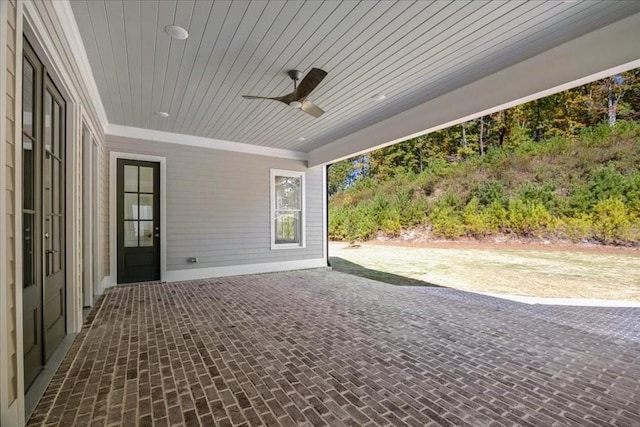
[409, 51]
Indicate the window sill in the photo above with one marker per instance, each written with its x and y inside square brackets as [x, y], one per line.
[277, 246]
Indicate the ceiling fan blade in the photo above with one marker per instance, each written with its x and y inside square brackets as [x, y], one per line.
[311, 108]
[287, 99]
[309, 83]
[259, 97]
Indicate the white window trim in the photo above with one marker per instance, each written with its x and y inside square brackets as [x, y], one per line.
[303, 231]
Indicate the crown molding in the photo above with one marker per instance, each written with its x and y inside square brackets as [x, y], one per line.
[198, 141]
[72, 34]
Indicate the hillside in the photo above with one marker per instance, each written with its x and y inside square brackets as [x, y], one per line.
[583, 188]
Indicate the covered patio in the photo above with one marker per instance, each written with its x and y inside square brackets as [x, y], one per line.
[319, 347]
[160, 141]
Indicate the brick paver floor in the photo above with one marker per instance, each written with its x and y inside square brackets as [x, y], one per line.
[325, 348]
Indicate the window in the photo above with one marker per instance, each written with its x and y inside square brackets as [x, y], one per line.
[287, 209]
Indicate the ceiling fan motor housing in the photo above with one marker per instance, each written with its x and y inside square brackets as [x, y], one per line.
[295, 74]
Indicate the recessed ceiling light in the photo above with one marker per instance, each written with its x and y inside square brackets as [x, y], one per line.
[163, 114]
[302, 138]
[378, 97]
[176, 32]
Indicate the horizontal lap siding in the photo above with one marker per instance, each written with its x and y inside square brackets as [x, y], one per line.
[10, 200]
[218, 205]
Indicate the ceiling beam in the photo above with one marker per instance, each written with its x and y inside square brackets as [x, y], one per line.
[601, 53]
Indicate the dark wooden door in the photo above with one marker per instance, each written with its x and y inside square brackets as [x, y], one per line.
[31, 216]
[53, 192]
[43, 201]
[138, 218]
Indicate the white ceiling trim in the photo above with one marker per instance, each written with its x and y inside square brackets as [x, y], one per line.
[72, 34]
[198, 141]
[604, 52]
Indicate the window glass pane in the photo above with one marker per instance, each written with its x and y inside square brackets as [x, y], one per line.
[288, 227]
[131, 206]
[146, 180]
[131, 178]
[288, 192]
[146, 206]
[47, 121]
[146, 233]
[131, 234]
[27, 97]
[28, 170]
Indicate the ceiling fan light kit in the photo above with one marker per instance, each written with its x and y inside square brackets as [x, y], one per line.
[298, 98]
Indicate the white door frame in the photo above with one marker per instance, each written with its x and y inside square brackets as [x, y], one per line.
[88, 177]
[113, 225]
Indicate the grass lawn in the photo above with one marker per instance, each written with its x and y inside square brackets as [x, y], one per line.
[523, 271]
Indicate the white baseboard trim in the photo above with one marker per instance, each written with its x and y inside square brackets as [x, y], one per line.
[107, 282]
[240, 270]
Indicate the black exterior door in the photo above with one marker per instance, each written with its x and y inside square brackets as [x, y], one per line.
[53, 190]
[43, 201]
[138, 218]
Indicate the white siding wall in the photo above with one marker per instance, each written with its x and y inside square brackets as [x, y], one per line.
[9, 202]
[47, 34]
[218, 205]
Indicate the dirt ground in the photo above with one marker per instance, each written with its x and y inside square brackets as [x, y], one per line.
[523, 269]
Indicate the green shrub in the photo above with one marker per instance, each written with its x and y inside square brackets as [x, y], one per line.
[519, 137]
[497, 215]
[490, 191]
[478, 222]
[411, 208]
[611, 221]
[528, 218]
[594, 135]
[576, 229]
[446, 222]
[626, 129]
[542, 194]
[607, 182]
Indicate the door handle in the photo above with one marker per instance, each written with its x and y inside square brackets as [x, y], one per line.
[50, 251]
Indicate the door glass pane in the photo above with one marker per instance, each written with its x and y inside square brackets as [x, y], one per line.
[47, 183]
[130, 234]
[47, 244]
[57, 128]
[27, 250]
[27, 97]
[146, 179]
[47, 121]
[146, 233]
[146, 206]
[55, 183]
[287, 192]
[131, 178]
[28, 170]
[131, 206]
[56, 243]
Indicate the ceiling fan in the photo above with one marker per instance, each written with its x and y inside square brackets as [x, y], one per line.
[298, 98]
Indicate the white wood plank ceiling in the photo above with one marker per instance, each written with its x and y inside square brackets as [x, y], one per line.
[410, 51]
